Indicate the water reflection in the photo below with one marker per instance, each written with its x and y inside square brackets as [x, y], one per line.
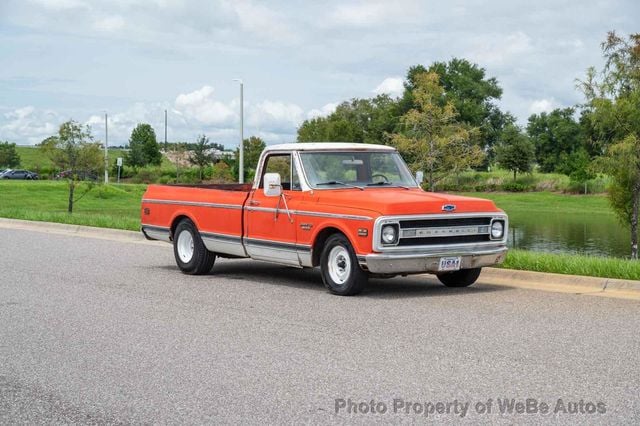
[597, 235]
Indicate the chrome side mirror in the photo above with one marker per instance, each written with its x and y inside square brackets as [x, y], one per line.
[419, 177]
[272, 185]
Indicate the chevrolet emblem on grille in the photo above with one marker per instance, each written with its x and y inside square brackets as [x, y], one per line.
[448, 207]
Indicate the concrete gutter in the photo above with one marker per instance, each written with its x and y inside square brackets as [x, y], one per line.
[558, 283]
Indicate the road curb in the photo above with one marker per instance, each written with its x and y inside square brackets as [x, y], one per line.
[492, 276]
[559, 282]
[76, 230]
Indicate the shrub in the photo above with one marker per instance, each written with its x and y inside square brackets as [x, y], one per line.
[515, 187]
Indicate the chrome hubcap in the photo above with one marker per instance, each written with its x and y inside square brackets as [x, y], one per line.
[339, 265]
[185, 246]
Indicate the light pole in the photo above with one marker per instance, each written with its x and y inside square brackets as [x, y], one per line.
[165, 131]
[106, 145]
[241, 159]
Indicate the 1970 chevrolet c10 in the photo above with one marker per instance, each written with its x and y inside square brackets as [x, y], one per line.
[354, 210]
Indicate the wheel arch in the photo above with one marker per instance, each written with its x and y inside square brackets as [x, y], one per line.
[177, 219]
[322, 236]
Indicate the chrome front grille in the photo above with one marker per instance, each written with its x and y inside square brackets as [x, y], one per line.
[425, 232]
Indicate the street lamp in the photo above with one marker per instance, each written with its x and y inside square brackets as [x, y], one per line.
[241, 159]
[106, 144]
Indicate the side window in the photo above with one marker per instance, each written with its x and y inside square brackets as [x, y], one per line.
[278, 163]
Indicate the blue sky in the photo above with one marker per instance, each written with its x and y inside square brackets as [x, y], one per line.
[63, 59]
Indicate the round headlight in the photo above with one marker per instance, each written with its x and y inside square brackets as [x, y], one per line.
[497, 230]
[388, 234]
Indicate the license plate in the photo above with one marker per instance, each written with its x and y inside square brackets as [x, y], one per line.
[449, 263]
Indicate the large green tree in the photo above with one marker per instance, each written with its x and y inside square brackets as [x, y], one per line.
[472, 93]
[358, 120]
[556, 135]
[9, 156]
[430, 136]
[514, 151]
[143, 147]
[74, 149]
[613, 108]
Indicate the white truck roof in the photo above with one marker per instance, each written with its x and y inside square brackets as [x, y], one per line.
[328, 146]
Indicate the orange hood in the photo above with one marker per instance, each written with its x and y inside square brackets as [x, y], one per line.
[398, 201]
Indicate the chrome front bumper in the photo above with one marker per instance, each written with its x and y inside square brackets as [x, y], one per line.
[415, 263]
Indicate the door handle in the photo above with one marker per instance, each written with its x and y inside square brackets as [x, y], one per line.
[254, 203]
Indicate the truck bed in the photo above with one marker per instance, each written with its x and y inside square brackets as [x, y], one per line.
[215, 209]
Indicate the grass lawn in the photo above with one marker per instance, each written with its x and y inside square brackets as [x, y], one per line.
[570, 264]
[547, 202]
[111, 206]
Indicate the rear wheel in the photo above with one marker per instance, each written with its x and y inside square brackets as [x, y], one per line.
[341, 273]
[461, 278]
[190, 252]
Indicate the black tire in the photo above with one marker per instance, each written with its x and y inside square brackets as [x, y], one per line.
[461, 278]
[339, 267]
[201, 260]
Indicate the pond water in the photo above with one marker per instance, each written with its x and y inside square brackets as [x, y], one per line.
[591, 234]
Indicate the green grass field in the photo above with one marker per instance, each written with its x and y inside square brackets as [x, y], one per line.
[605, 267]
[111, 206]
[118, 206]
[546, 202]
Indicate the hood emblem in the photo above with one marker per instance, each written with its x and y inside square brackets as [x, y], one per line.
[448, 207]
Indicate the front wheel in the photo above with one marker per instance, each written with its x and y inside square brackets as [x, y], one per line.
[191, 255]
[341, 273]
[461, 278]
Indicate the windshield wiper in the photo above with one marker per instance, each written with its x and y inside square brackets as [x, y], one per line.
[337, 182]
[381, 183]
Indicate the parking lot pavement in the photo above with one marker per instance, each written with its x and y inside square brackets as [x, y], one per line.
[99, 331]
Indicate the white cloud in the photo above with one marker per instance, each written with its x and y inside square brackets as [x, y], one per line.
[392, 86]
[542, 105]
[28, 125]
[498, 49]
[326, 110]
[109, 23]
[270, 115]
[60, 4]
[259, 19]
[202, 106]
[370, 13]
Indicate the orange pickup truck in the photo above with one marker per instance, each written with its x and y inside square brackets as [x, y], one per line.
[354, 210]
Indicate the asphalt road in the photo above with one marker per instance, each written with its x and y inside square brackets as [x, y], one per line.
[97, 331]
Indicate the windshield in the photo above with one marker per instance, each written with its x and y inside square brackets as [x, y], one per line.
[356, 169]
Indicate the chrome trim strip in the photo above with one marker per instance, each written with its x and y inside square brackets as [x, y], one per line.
[221, 237]
[193, 203]
[276, 245]
[308, 213]
[332, 215]
[445, 231]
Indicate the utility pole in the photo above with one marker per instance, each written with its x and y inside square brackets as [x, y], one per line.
[106, 145]
[165, 131]
[241, 159]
